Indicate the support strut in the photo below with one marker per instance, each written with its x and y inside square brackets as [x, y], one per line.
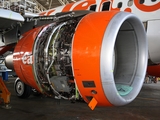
[5, 95]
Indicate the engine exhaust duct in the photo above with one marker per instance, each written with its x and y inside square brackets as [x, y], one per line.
[9, 61]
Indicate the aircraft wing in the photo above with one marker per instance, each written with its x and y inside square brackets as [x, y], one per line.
[9, 21]
[9, 18]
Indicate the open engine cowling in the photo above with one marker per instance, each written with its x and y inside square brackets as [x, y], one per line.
[103, 53]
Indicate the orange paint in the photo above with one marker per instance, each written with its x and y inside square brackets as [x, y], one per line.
[4, 49]
[67, 7]
[86, 54]
[154, 70]
[86, 3]
[49, 12]
[25, 46]
[42, 13]
[146, 8]
[111, 8]
[92, 104]
[100, 7]
[128, 10]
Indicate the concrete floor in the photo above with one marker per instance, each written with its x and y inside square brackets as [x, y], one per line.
[145, 107]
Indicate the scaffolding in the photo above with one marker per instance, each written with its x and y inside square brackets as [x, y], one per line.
[51, 3]
[32, 6]
[22, 6]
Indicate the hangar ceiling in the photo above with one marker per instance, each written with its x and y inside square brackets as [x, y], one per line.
[32, 6]
[48, 4]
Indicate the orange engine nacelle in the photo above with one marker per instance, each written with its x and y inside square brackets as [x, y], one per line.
[104, 53]
[153, 70]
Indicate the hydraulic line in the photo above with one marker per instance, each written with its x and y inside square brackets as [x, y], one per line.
[53, 57]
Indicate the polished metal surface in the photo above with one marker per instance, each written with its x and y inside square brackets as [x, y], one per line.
[127, 38]
[9, 61]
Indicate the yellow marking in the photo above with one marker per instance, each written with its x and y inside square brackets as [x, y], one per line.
[77, 93]
[10, 15]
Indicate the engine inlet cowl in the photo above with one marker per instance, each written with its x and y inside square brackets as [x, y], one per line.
[109, 56]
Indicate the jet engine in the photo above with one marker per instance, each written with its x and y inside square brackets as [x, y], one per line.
[102, 54]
